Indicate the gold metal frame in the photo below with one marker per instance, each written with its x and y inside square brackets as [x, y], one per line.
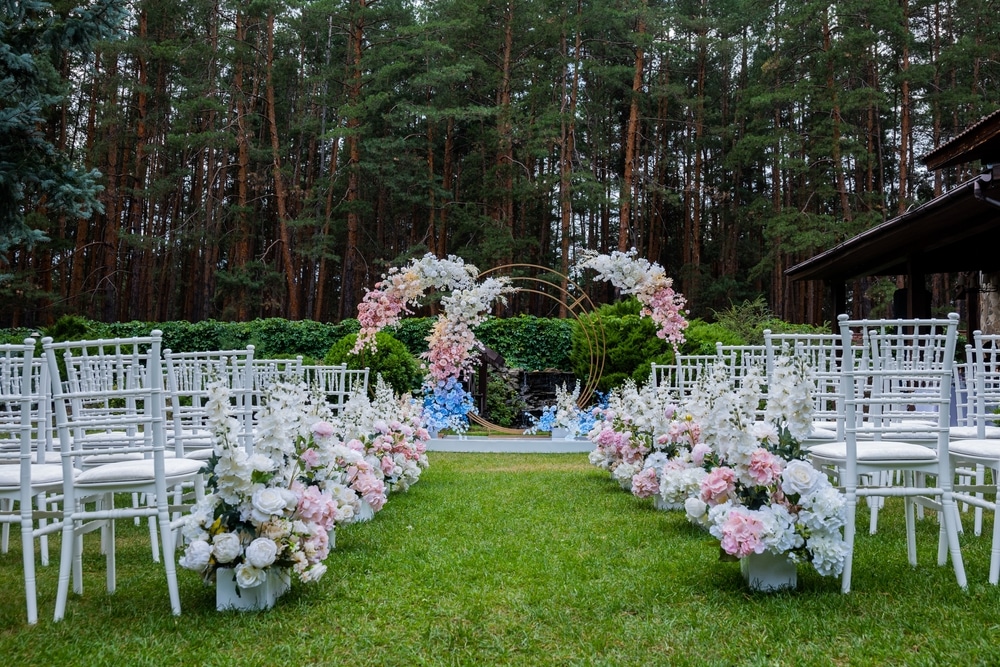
[577, 305]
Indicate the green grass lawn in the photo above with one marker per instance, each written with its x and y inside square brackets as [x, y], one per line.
[525, 560]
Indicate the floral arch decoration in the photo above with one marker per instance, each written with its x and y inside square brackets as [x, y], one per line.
[452, 343]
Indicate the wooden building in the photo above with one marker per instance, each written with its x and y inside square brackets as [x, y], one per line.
[957, 232]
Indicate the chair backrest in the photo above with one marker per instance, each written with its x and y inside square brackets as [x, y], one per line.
[188, 376]
[22, 405]
[984, 387]
[688, 368]
[963, 372]
[742, 358]
[336, 382]
[111, 401]
[902, 385]
[823, 354]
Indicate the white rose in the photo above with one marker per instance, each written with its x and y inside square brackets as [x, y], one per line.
[267, 501]
[196, 556]
[261, 552]
[799, 477]
[695, 508]
[248, 576]
[226, 547]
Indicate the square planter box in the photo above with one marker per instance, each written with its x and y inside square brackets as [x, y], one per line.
[230, 596]
[769, 572]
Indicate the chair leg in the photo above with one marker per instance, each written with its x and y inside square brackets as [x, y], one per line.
[28, 553]
[169, 562]
[995, 550]
[43, 540]
[947, 514]
[978, 511]
[850, 509]
[5, 505]
[66, 561]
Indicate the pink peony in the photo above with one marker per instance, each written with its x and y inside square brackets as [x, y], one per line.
[764, 467]
[387, 465]
[718, 485]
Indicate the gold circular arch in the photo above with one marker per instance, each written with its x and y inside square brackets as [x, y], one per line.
[577, 305]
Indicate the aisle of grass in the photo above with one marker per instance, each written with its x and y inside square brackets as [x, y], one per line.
[524, 560]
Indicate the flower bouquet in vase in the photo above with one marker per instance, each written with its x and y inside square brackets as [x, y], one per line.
[759, 498]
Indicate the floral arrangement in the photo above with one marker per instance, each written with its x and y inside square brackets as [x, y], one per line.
[758, 494]
[309, 472]
[565, 413]
[648, 282]
[259, 514]
[626, 429]
[451, 343]
[403, 287]
[447, 404]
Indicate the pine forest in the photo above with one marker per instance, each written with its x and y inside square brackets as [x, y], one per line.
[272, 158]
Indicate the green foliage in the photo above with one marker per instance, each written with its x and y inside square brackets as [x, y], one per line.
[72, 327]
[528, 342]
[33, 170]
[413, 332]
[504, 404]
[392, 360]
[749, 319]
[276, 336]
[631, 343]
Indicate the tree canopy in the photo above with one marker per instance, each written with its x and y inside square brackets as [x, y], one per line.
[273, 158]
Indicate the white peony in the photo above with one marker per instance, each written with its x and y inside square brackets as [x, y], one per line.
[196, 556]
[261, 552]
[248, 576]
[226, 547]
[695, 508]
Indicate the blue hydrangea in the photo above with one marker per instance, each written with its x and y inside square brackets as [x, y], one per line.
[447, 404]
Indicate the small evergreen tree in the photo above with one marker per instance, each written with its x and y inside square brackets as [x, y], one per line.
[35, 41]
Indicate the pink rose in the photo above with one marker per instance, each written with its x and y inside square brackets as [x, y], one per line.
[698, 453]
[322, 429]
[310, 457]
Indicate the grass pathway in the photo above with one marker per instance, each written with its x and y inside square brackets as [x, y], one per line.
[525, 560]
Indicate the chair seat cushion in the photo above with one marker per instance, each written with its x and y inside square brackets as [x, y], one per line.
[41, 474]
[871, 451]
[200, 454]
[821, 434]
[137, 471]
[971, 432]
[104, 459]
[979, 449]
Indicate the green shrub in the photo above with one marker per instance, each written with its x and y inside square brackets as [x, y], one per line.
[392, 360]
[749, 319]
[529, 342]
[630, 340]
[413, 332]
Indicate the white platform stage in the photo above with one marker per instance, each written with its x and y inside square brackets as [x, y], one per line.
[513, 444]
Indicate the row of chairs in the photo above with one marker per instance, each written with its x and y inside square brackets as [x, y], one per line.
[887, 424]
[93, 419]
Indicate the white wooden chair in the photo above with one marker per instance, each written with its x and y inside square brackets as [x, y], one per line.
[188, 375]
[910, 364]
[336, 382]
[125, 398]
[30, 478]
[972, 456]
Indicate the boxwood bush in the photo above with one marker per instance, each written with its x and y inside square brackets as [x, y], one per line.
[391, 359]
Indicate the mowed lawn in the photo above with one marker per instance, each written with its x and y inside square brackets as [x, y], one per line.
[513, 559]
